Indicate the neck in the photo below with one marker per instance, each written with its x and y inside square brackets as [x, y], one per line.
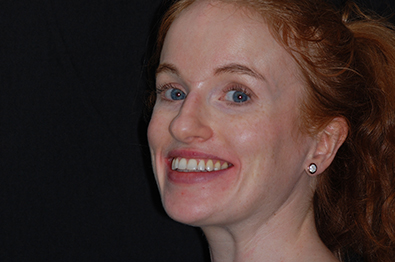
[282, 237]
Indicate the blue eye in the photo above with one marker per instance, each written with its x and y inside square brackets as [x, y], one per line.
[174, 94]
[237, 96]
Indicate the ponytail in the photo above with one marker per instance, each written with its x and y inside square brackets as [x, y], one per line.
[355, 199]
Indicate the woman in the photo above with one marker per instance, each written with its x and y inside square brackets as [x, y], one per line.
[273, 129]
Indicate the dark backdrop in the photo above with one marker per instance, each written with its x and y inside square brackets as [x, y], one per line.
[75, 178]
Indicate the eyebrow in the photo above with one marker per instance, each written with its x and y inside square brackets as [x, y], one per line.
[165, 67]
[239, 69]
[230, 68]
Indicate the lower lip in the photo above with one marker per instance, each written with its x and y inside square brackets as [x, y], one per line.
[193, 177]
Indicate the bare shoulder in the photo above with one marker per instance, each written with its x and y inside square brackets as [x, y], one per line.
[318, 258]
[323, 258]
[316, 251]
[320, 255]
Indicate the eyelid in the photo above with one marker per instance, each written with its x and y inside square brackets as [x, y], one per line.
[241, 88]
[162, 89]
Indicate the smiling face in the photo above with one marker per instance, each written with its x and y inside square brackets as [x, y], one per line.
[224, 134]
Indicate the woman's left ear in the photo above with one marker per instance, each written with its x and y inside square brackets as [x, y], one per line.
[328, 141]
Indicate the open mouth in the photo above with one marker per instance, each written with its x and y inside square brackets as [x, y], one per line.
[198, 165]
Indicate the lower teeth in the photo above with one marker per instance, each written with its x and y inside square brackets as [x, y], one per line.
[186, 170]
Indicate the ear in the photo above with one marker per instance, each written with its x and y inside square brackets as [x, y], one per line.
[327, 142]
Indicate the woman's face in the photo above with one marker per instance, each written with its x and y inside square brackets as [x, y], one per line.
[224, 135]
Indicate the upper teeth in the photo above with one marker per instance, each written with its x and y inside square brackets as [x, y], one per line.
[197, 165]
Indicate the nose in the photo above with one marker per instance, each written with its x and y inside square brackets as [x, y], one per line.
[192, 122]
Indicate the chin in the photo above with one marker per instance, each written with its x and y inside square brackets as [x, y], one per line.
[187, 209]
[196, 203]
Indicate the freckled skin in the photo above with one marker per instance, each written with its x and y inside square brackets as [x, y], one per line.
[259, 209]
[257, 137]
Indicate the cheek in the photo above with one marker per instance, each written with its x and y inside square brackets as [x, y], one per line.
[153, 125]
[157, 136]
[250, 135]
[261, 140]
[151, 135]
[157, 130]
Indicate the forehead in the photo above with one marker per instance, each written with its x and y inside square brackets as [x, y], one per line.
[208, 35]
[207, 24]
[201, 13]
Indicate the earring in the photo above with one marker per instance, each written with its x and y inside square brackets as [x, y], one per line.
[312, 168]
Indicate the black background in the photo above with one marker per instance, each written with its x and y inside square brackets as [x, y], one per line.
[75, 175]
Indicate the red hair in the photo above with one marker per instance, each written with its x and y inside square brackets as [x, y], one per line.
[348, 64]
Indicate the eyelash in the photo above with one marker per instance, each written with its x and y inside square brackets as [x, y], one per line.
[238, 88]
[163, 88]
[160, 89]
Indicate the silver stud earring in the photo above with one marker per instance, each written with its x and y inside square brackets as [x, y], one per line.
[312, 168]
